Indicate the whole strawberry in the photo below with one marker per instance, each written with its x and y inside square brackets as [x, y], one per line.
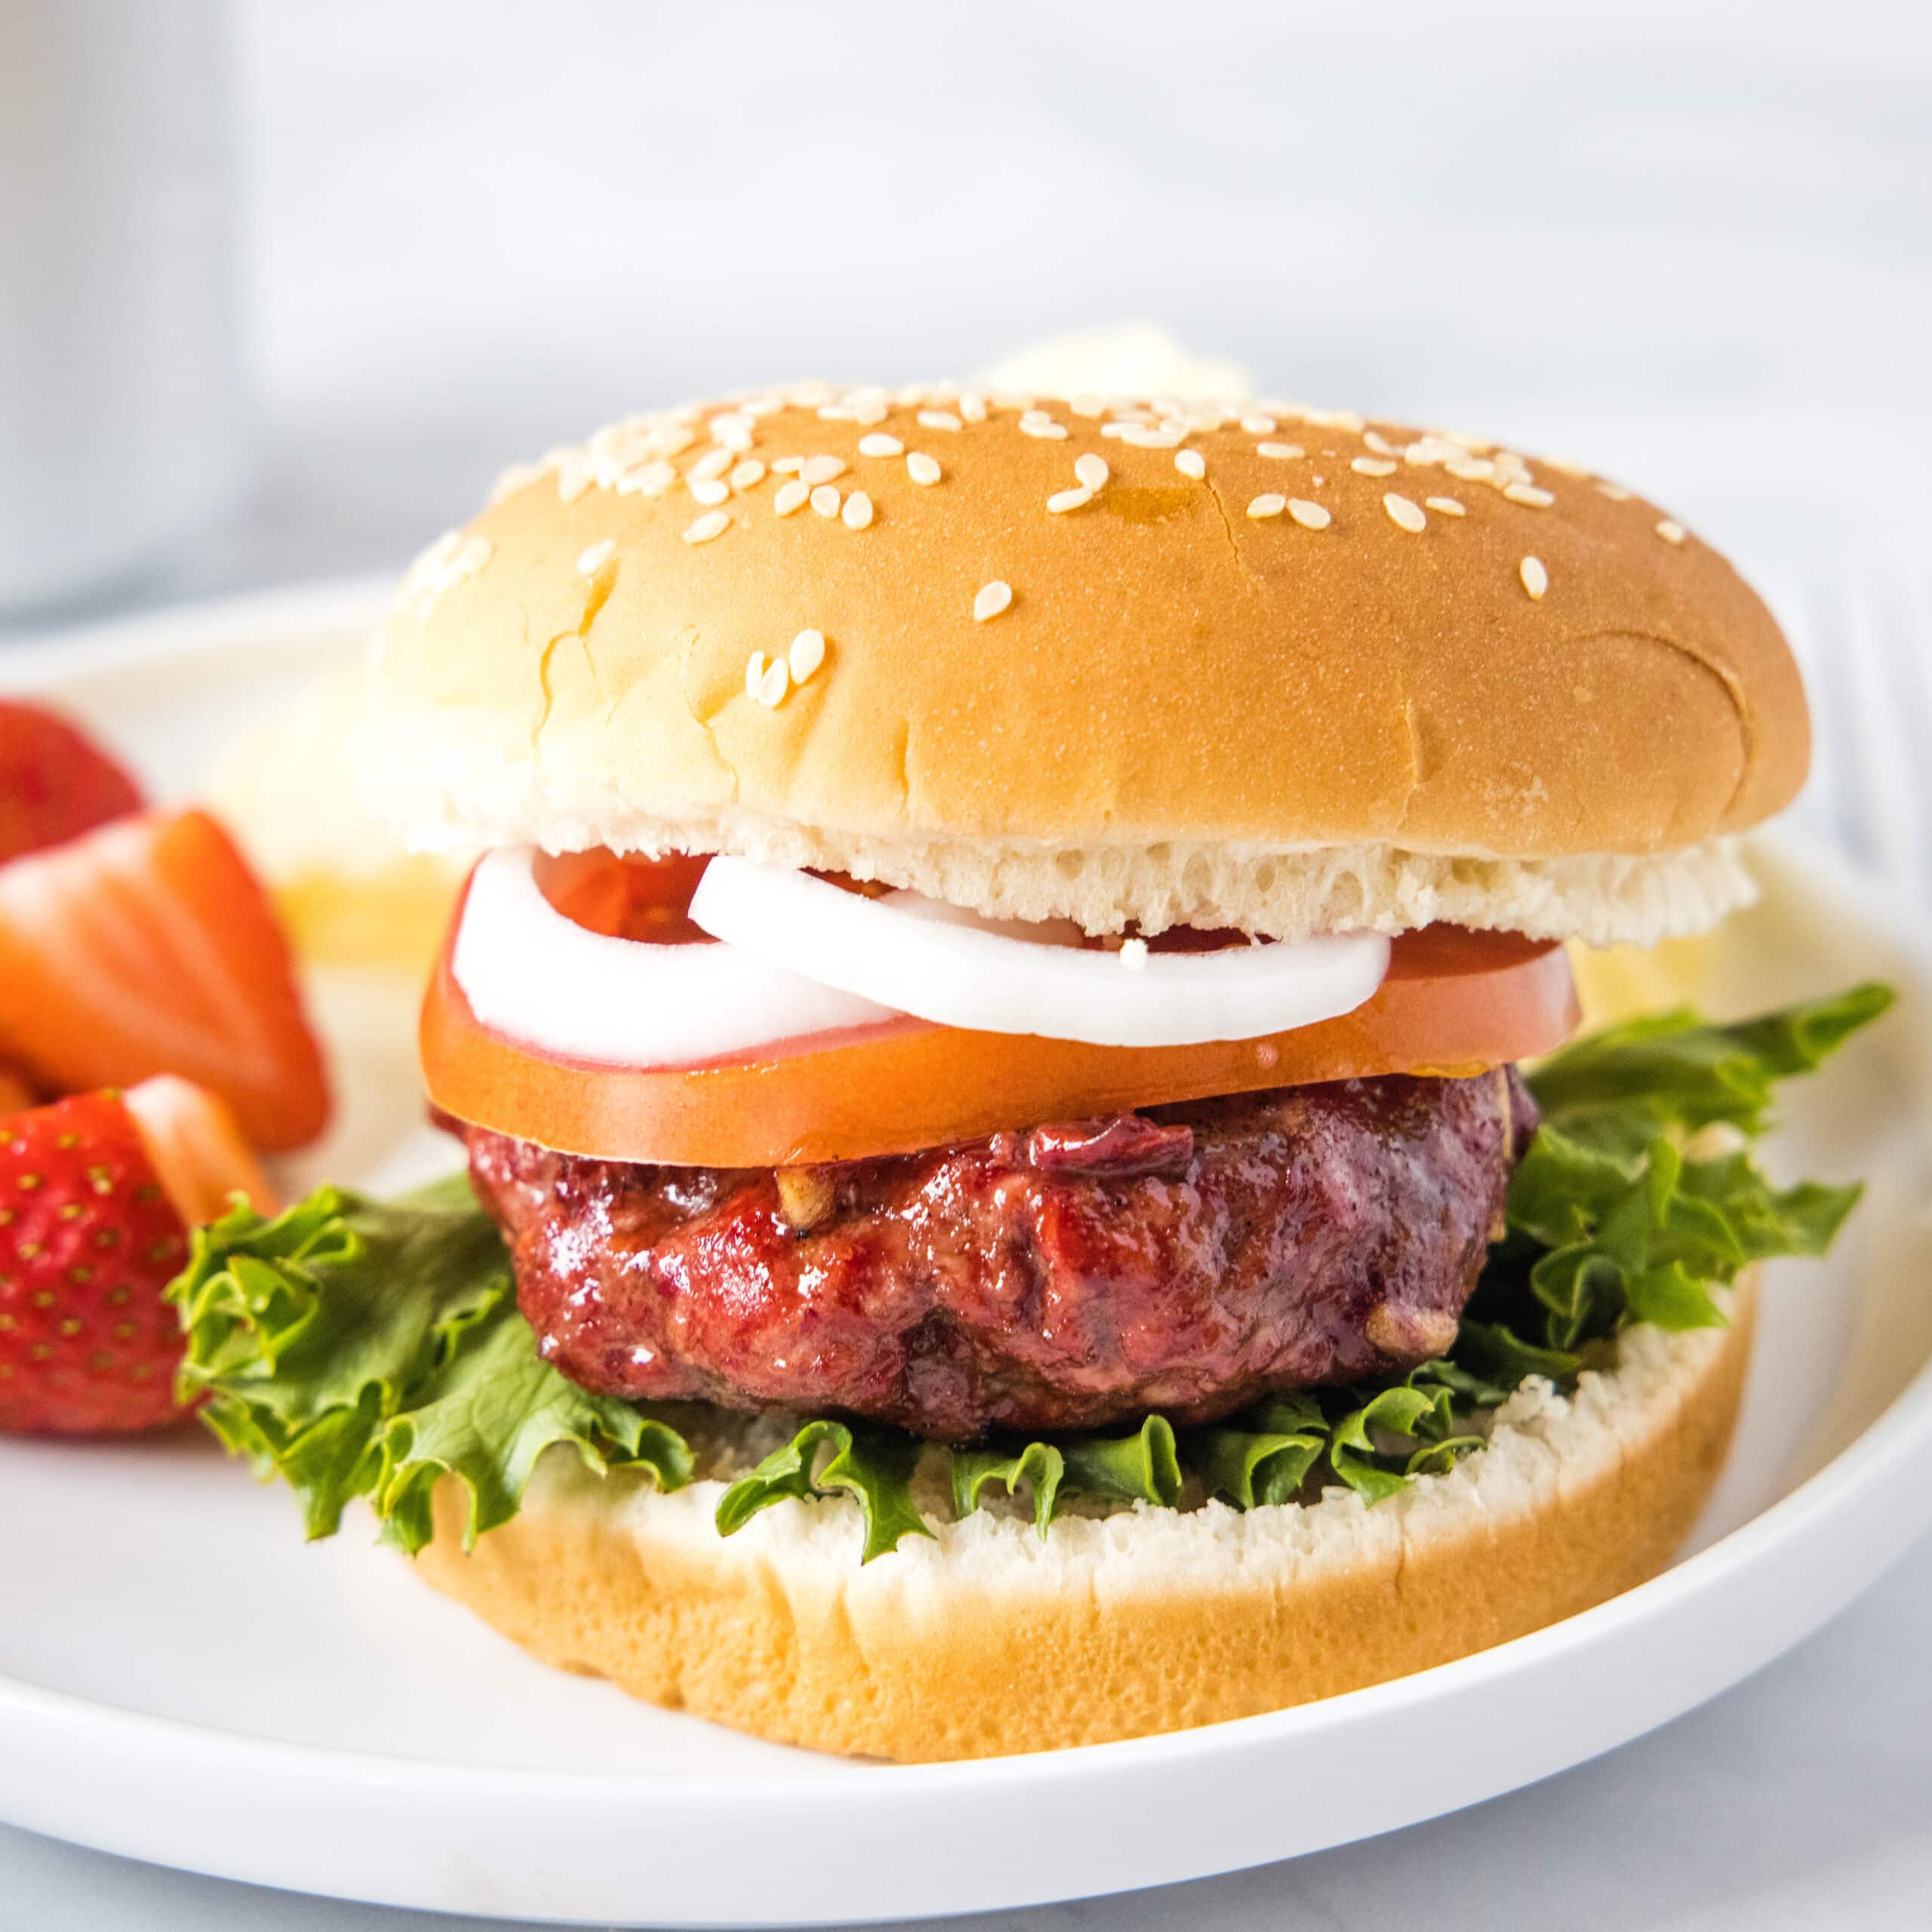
[55, 781]
[89, 1237]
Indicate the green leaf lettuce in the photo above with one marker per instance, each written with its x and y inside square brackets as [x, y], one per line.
[358, 1348]
[362, 1348]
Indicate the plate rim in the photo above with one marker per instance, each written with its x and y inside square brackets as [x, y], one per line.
[314, 608]
[1858, 1485]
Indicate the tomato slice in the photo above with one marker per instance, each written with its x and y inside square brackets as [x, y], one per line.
[1454, 1002]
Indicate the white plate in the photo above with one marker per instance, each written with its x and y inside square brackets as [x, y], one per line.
[182, 1680]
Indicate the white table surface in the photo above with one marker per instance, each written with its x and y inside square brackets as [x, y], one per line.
[1693, 244]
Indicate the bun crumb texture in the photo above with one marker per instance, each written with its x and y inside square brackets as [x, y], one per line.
[1119, 661]
[987, 1640]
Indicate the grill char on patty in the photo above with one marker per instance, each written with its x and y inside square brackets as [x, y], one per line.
[1189, 1260]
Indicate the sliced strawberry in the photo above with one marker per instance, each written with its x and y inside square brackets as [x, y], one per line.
[90, 1233]
[55, 783]
[196, 1143]
[148, 947]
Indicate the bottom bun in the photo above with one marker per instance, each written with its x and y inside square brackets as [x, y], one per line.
[989, 1639]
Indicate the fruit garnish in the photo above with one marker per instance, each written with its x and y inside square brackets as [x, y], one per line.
[55, 782]
[97, 1194]
[197, 1147]
[148, 947]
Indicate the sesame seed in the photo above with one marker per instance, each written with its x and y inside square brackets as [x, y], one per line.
[1470, 469]
[755, 666]
[806, 655]
[879, 444]
[792, 495]
[1258, 426]
[1379, 443]
[1062, 500]
[1671, 530]
[713, 523]
[1116, 429]
[825, 500]
[785, 465]
[858, 511]
[1191, 462]
[1527, 493]
[938, 419]
[1032, 424]
[1404, 514]
[1373, 466]
[1536, 578]
[1142, 438]
[1615, 492]
[922, 469]
[708, 490]
[993, 598]
[648, 479]
[1278, 452]
[592, 560]
[713, 463]
[874, 411]
[973, 407]
[746, 474]
[1448, 506]
[1310, 516]
[816, 469]
[1091, 469]
[1091, 406]
[774, 684]
[1268, 505]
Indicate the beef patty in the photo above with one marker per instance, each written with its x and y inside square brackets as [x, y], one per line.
[1189, 1260]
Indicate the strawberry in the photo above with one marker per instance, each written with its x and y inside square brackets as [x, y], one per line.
[54, 782]
[90, 1233]
[148, 947]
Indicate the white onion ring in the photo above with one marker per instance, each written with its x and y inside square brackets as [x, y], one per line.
[948, 966]
[528, 971]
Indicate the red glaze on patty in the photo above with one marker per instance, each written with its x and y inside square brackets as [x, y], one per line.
[1189, 1260]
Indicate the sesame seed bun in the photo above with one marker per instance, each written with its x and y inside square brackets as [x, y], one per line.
[986, 1641]
[1273, 668]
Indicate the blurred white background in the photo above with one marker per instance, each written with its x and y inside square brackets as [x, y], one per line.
[1692, 242]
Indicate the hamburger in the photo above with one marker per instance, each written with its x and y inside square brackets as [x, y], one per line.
[1028, 1178]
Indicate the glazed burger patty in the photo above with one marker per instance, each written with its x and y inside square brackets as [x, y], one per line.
[1189, 1260]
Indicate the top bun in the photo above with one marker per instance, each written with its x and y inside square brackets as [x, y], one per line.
[1281, 669]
